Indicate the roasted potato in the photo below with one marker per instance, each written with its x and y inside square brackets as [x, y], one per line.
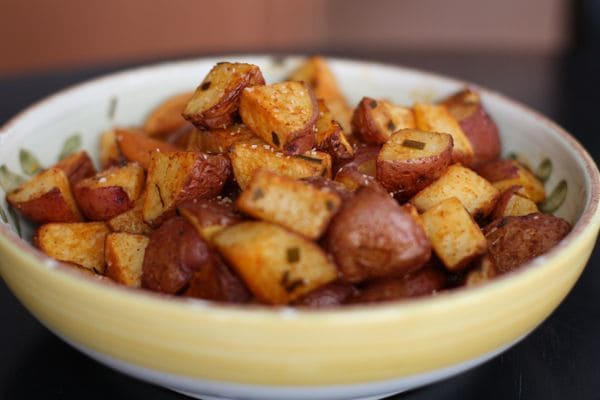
[176, 177]
[209, 216]
[295, 205]
[411, 159]
[327, 185]
[361, 171]
[124, 254]
[77, 166]
[511, 203]
[512, 241]
[373, 237]
[282, 114]
[132, 220]
[331, 295]
[277, 266]
[215, 281]
[374, 121]
[80, 243]
[329, 136]
[216, 101]
[136, 146]
[110, 192]
[110, 155]
[166, 118]
[483, 271]
[504, 174]
[218, 141]
[46, 198]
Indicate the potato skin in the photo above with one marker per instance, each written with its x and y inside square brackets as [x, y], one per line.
[77, 166]
[49, 207]
[174, 253]
[103, 203]
[373, 237]
[361, 170]
[512, 241]
[330, 295]
[215, 281]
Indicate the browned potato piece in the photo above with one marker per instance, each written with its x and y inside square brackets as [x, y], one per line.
[330, 137]
[176, 177]
[216, 101]
[374, 121]
[174, 253]
[317, 74]
[77, 166]
[218, 141]
[504, 174]
[110, 192]
[282, 114]
[361, 170]
[132, 220]
[209, 216]
[511, 203]
[466, 107]
[512, 241]
[411, 159]
[47, 197]
[373, 237]
[166, 118]
[277, 266]
[124, 253]
[331, 295]
[327, 185]
[136, 146]
[215, 281]
[80, 243]
[110, 155]
[437, 118]
[484, 271]
[295, 205]
[248, 157]
[475, 193]
[454, 235]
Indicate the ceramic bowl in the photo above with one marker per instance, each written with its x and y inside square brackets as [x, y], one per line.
[220, 351]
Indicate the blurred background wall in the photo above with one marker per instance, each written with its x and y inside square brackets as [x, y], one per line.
[38, 35]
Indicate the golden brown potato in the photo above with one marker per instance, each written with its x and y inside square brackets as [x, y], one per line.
[166, 118]
[511, 203]
[512, 241]
[295, 205]
[327, 185]
[80, 243]
[373, 237]
[329, 136]
[277, 266]
[454, 235]
[218, 141]
[437, 118]
[248, 157]
[47, 197]
[124, 254]
[110, 192]
[374, 121]
[475, 193]
[209, 216]
[411, 159]
[77, 166]
[136, 146]
[282, 114]
[176, 177]
[110, 155]
[316, 73]
[216, 101]
[132, 220]
[215, 281]
[174, 253]
[504, 174]
[361, 171]
[466, 107]
[331, 295]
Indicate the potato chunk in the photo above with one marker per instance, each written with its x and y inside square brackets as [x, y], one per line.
[216, 101]
[295, 205]
[47, 197]
[411, 159]
[218, 141]
[360, 171]
[124, 253]
[511, 203]
[110, 155]
[330, 137]
[136, 146]
[374, 121]
[166, 118]
[176, 177]
[209, 216]
[277, 266]
[80, 243]
[504, 174]
[132, 220]
[282, 114]
[455, 237]
[77, 166]
[475, 193]
[215, 281]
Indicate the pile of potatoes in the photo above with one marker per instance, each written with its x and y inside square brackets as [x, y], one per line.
[281, 193]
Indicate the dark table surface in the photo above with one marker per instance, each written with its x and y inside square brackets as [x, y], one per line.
[559, 360]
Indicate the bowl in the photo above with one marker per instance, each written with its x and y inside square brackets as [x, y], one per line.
[218, 351]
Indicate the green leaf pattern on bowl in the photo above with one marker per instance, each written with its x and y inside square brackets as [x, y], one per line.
[29, 162]
[72, 145]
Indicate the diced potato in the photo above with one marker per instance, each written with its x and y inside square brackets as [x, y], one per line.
[166, 118]
[455, 237]
[136, 146]
[484, 271]
[80, 243]
[176, 177]
[248, 157]
[132, 220]
[215, 281]
[47, 197]
[374, 121]
[330, 137]
[507, 173]
[218, 141]
[216, 101]
[209, 216]
[361, 171]
[476, 194]
[277, 266]
[282, 114]
[77, 166]
[124, 254]
[295, 205]
[437, 118]
[110, 155]
[110, 192]
[511, 203]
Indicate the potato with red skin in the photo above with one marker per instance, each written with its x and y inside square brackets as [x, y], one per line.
[361, 170]
[77, 166]
[374, 121]
[511, 203]
[136, 146]
[166, 118]
[215, 281]
[504, 174]
[512, 241]
[330, 295]
[174, 254]
[373, 237]
[209, 216]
